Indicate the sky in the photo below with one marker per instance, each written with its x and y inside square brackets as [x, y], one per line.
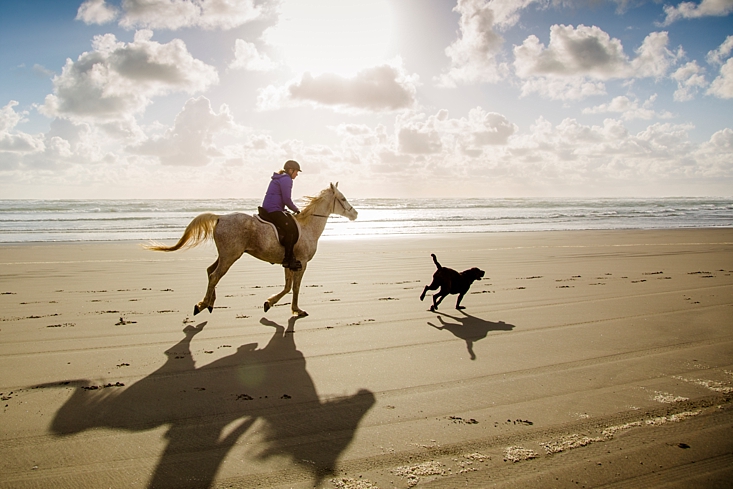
[391, 98]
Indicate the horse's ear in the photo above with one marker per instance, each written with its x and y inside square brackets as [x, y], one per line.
[334, 187]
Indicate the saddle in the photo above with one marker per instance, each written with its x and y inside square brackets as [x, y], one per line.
[281, 233]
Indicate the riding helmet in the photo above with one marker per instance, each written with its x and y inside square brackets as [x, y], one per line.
[292, 165]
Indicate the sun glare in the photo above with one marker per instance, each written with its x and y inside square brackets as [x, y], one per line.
[336, 36]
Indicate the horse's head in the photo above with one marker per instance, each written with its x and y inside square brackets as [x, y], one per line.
[340, 205]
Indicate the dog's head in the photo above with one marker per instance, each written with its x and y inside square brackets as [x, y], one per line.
[475, 273]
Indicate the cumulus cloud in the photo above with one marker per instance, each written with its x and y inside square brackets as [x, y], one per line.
[96, 12]
[690, 80]
[585, 51]
[716, 56]
[380, 88]
[569, 156]
[14, 141]
[421, 137]
[629, 109]
[653, 57]
[172, 14]
[577, 61]
[117, 80]
[722, 86]
[475, 54]
[608, 153]
[190, 141]
[65, 144]
[720, 142]
[418, 135]
[691, 10]
[246, 57]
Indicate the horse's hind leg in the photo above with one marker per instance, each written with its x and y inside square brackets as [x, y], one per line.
[200, 306]
[212, 267]
[216, 271]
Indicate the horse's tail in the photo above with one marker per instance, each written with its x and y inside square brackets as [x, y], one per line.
[199, 230]
[435, 260]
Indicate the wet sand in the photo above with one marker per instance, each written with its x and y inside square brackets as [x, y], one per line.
[582, 359]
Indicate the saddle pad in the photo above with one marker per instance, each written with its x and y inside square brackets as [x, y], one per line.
[274, 228]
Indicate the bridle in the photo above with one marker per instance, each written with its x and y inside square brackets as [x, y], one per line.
[333, 208]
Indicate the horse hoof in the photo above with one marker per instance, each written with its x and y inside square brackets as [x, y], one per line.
[300, 314]
[196, 309]
[211, 309]
[267, 306]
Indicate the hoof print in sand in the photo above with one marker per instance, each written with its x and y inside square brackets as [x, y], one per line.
[459, 420]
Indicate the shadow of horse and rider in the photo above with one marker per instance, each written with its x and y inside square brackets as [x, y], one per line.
[469, 328]
[200, 406]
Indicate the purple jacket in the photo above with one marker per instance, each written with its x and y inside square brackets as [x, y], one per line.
[278, 194]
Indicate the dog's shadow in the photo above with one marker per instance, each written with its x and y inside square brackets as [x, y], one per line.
[470, 328]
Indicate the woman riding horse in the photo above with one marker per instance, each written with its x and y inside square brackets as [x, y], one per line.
[273, 209]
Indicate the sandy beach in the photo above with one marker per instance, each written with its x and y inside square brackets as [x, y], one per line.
[583, 359]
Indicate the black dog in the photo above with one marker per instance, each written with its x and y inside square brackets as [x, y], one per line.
[450, 282]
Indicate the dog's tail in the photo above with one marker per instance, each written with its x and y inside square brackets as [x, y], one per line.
[436, 261]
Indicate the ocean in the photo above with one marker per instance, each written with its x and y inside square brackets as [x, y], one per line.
[143, 220]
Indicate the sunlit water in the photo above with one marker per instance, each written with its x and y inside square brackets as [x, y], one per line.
[142, 220]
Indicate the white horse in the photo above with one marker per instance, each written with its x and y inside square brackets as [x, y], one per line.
[238, 233]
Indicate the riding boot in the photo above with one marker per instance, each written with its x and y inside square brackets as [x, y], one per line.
[290, 261]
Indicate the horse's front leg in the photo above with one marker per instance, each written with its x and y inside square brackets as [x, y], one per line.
[271, 301]
[297, 277]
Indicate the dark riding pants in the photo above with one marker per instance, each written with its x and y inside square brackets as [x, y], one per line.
[286, 228]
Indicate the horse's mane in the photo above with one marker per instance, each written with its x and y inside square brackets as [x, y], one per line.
[312, 203]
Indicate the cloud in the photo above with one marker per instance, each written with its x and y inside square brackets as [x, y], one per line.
[13, 141]
[380, 88]
[691, 10]
[66, 144]
[629, 109]
[609, 154]
[716, 56]
[172, 14]
[117, 80]
[577, 61]
[586, 51]
[689, 79]
[421, 137]
[418, 136]
[190, 141]
[653, 58]
[96, 12]
[441, 154]
[475, 54]
[722, 86]
[721, 143]
[246, 57]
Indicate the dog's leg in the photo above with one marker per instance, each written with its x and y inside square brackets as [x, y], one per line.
[436, 301]
[458, 301]
[438, 298]
[424, 291]
[433, 286]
